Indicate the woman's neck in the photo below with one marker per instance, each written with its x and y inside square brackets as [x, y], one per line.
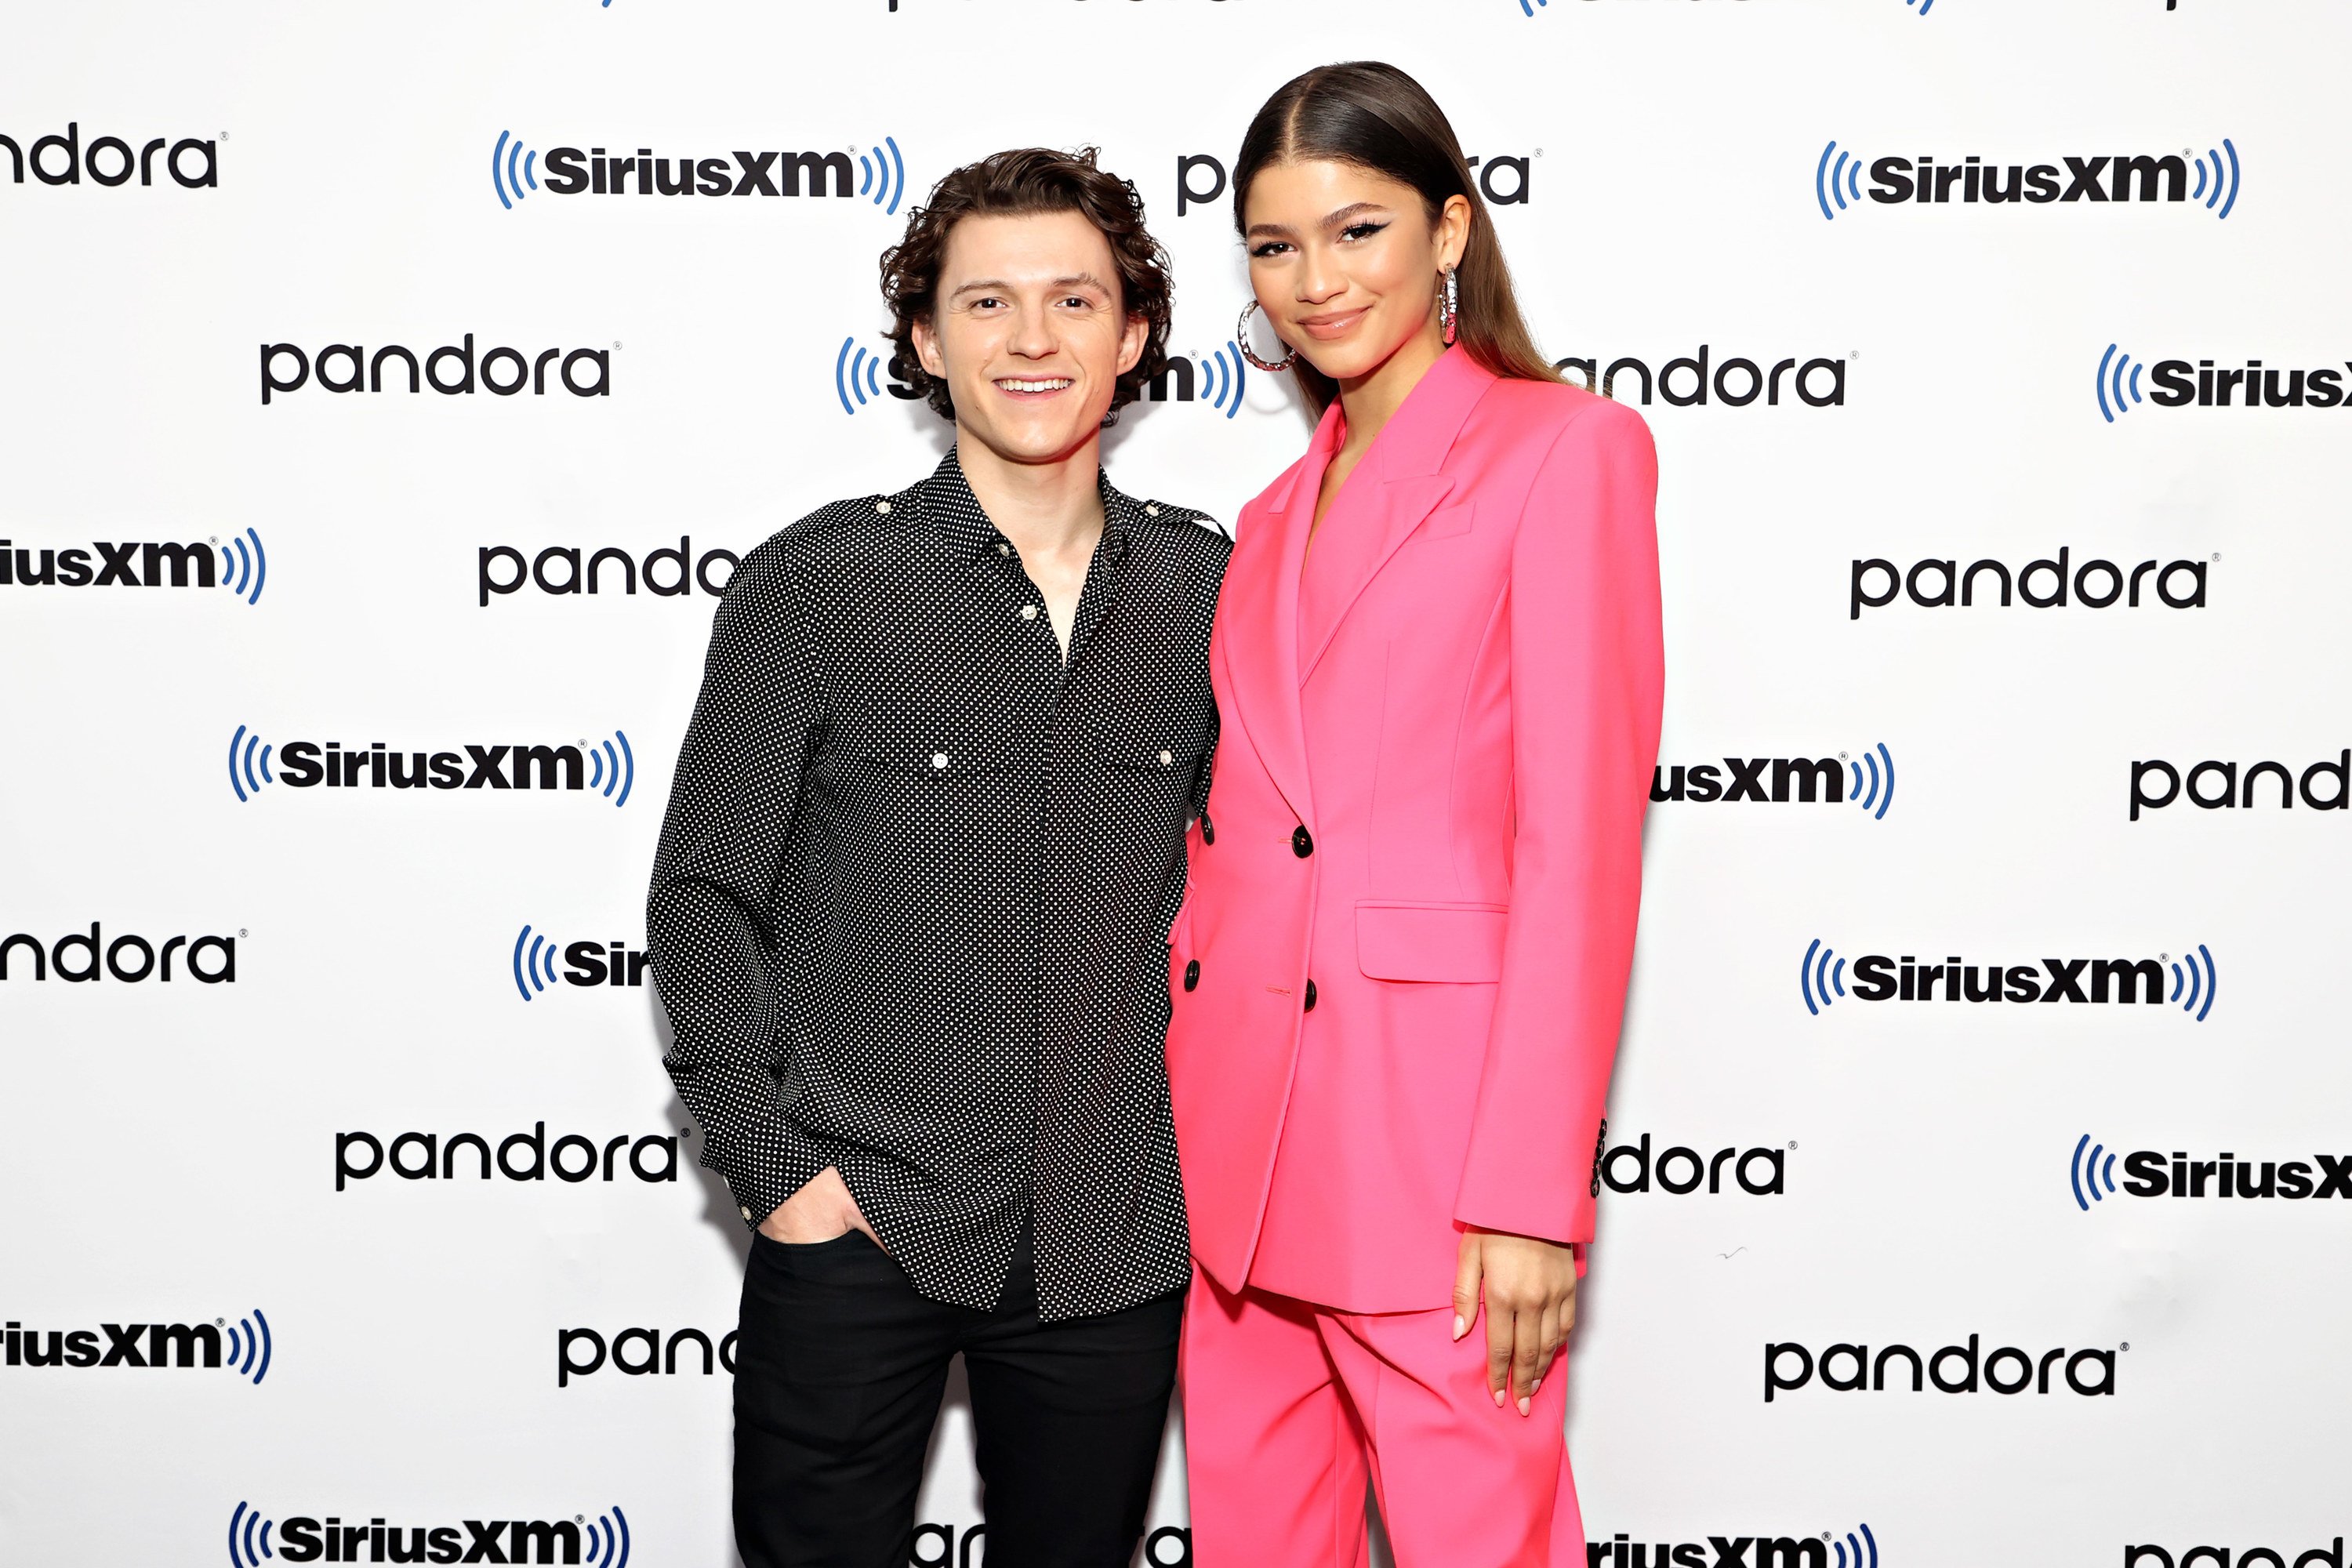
[1367, 402]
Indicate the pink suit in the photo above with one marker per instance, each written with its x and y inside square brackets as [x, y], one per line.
[1399, 968]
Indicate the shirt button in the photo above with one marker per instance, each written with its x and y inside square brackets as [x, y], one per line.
[883, 507]
[939, 759]
[745, 1211]
[1028, 611]
[1191, 978]
[1310, 996]
[1167, 759]
[1151, 511]
[1002, 548]
[1302, 843]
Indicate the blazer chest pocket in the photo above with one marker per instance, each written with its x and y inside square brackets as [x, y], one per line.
[1444, 942]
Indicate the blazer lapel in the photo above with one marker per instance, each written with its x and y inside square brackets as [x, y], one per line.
[1259, 617]
[1406, 459]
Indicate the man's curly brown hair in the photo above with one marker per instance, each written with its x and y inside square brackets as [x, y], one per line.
[1014, 183]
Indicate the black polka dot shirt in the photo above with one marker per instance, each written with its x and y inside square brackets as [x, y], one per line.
[909, 914]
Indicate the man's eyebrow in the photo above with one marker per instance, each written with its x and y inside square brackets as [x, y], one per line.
[1330, 221]
[997, 285]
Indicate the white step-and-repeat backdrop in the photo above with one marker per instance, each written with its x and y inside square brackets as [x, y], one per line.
[372, 449]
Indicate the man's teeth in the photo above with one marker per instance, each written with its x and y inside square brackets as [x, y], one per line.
[1053, 385]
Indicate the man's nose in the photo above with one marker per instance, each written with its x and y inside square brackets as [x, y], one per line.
[1034, 336]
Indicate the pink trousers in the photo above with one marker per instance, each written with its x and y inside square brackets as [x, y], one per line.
[1288, 1407]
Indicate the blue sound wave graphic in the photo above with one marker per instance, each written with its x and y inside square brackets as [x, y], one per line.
[1816, 978]
[1224, 375]
[2087, 1174]
[253, 1550]
[2189, 984]
[1876, 792]
[1849, 1551]
[248, 764]
[243, 571]
[536, 966]
[883, 175]
[857, 373]
[2222, 178]
[608, 1540]
[1528, 10]
[610, 769]
[511, 168]
[1836, 182]
[2112, 386]
[248, 1344]
[1924, 5]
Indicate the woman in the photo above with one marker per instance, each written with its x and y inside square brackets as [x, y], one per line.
[1401, 965]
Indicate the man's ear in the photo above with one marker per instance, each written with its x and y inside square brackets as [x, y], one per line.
[926, 349]
[1131, 340]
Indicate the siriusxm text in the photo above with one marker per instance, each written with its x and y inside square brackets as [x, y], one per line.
[1877, 978]
[129, 564]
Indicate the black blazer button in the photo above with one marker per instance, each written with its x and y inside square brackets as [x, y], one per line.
[1310, 996]
[1207, 829]
[1302, 843]
[1192, 975]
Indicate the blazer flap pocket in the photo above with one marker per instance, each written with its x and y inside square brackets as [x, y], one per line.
[1447, 521]
[1458, 943]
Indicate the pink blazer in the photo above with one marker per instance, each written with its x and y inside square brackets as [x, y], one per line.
[1400, 967]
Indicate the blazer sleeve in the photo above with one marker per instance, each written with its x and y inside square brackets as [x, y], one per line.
[1587, 674]
[709, 916]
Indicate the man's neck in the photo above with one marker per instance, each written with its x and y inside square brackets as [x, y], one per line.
[1049, 510]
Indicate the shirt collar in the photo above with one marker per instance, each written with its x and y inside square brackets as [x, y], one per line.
[949, 508]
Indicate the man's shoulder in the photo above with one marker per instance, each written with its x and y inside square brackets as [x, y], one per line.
[1193, 534]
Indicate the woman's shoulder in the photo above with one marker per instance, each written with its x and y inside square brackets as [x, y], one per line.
[1543, 410]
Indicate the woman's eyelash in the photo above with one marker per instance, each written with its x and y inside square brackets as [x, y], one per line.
[1361, 230]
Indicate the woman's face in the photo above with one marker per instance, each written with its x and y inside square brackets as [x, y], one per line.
[1346, 263]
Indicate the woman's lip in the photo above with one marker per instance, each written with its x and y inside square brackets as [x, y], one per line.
[1324, 328]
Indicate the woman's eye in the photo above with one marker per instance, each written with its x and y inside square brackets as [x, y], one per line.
[1361, 230]
[1271, 247]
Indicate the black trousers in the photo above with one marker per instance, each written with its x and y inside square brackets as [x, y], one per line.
[839, 1369]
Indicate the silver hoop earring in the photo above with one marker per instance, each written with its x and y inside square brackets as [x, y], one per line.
[1241, 340]
[1452, 300]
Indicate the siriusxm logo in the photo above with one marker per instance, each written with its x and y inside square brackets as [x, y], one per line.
[1731, 1552]
[2328, 1556]
[63, 160]
[2114, 179]
[2091, 1175]
[2006, 1370]
[242, 1347]
[137, 563]
[1813, 778]
[504, 371]
[586, 963]
[2198, 786]
[1760, 1172]
[1821, 979]
[879, 174]
[1932, 584]
[427, 1156]
[582, 1352]
[856, 372]
[1818, 383]
[606, 768]
[602, 1541]
[2178, 384]
[689, 570]
[1505, 182]
[1222, 376]
[130, 959]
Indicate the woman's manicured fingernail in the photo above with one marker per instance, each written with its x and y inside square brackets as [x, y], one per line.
[1460, 1328]
[1498, 1399]
[1536, 1387]
[1525, 1406]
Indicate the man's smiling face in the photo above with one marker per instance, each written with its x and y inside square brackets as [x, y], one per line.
[1030, 332]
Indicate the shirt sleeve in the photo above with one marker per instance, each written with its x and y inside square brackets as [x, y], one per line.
[1587, 692]
[710, 919]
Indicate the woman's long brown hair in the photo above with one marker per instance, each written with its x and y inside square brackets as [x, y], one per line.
[1375, 117]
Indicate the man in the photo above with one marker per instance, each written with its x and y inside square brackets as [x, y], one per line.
[911, 907]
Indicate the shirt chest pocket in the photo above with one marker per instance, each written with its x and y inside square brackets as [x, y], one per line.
[912, 746]
[1165, 738]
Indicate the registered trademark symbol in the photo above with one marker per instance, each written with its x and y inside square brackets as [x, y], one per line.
[1841, 756]
[616, 343]
[240, 930]
[220, 1322]
[1792, 1142]
[686, 1131]
[2216, 555]
[1855, 354]
[1538, 152]
[578, 1519]
[2125, 1345]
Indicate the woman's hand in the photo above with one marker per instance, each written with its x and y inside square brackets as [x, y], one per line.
[1530, 1298]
